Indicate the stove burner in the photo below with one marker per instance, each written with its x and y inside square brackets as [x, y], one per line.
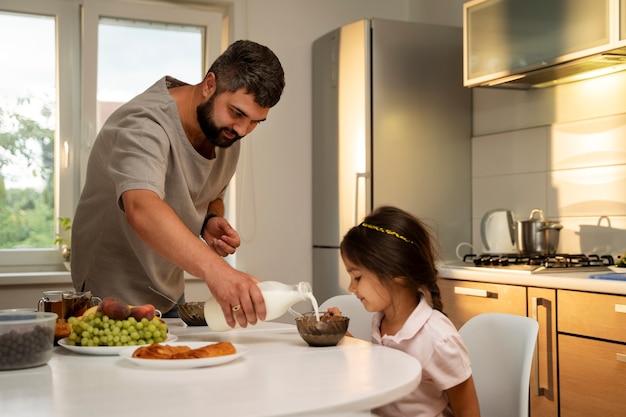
[556, 261]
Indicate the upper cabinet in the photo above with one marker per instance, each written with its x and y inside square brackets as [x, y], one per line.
[622, 21]
[539, 43]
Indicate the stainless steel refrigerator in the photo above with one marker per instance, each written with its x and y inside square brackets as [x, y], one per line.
[391, 126]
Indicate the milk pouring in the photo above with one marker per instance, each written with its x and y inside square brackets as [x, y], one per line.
[278, 298]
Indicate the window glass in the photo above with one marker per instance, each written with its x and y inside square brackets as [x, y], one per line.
[66, 65]
[133, 55]
[27, 130]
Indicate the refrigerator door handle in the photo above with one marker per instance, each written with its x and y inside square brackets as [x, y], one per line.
[358, 197]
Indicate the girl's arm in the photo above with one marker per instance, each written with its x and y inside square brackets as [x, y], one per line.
[463, 399]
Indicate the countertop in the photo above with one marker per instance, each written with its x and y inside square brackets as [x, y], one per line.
[279, 375]
[579, 281]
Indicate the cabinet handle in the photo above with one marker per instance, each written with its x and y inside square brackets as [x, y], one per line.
[474, 292]
[620, 308]
[535, 303]
[620, 357]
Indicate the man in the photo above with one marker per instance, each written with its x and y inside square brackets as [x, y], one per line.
[156, 178]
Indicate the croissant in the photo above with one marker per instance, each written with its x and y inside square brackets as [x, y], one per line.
[156, 351]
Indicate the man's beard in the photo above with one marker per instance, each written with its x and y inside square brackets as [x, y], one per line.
[214, 134]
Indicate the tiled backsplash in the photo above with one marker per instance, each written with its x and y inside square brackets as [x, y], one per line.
[568, 160]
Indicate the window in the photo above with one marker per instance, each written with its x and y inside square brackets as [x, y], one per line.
[58, 88]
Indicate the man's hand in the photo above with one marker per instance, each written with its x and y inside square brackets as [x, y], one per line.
[220, 236]
[240, 298]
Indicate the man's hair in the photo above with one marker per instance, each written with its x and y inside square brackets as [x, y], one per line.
[254, 67]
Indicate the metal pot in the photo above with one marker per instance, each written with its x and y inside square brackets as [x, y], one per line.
[538, 236]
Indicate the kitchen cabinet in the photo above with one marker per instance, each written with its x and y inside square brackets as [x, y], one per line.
[622, 22]
[544, 385]
[463, 300]
[506, 40]
[592, 354]
[579, 368]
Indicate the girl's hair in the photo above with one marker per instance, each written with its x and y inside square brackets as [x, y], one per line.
[393, 243]
[249, 65]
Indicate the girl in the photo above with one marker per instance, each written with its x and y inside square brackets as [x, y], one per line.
[391, 262]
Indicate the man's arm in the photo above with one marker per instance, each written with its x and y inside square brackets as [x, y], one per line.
[163, 231]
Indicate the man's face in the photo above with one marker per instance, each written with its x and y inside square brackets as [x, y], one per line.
[228, 117]
[216, 135]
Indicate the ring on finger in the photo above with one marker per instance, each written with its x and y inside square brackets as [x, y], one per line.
[237, 307]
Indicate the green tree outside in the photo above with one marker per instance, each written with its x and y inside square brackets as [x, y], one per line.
[26, 214]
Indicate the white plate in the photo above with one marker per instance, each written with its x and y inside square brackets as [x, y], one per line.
[105, 350]
[127, 354]
[620, 270]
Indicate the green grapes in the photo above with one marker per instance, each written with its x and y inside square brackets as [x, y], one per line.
[97, 329]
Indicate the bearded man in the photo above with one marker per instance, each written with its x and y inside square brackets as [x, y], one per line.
[152, 206]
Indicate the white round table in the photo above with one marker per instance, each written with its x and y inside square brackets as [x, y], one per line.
[279, 375]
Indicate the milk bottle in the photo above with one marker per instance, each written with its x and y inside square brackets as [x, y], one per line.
[278, 298]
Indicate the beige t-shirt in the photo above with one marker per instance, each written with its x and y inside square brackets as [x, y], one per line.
[141, 146]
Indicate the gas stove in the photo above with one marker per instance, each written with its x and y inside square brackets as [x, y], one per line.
[537, 264]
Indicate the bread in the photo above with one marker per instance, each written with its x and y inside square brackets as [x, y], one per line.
[156, 351]
[216, 349]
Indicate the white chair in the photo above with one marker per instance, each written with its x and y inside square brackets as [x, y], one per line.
[360, 319]
[501, 348]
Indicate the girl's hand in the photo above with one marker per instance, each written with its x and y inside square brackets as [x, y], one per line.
[332, 312]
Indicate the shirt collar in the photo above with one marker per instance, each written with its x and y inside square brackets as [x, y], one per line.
[411, 326]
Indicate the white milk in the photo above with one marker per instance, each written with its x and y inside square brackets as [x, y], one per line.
[278, 298]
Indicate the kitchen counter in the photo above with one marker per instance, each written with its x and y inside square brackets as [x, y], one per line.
[279, 375]
[579, 281]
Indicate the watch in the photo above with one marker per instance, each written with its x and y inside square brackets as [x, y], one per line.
[206, 220]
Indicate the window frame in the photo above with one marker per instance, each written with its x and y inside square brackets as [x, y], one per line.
[76, 43]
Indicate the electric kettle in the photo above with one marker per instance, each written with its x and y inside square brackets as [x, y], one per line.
[498, 231]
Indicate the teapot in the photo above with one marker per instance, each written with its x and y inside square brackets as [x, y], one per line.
[498, 231]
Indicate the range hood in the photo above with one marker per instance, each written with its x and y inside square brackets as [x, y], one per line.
[541, 43]
[566, 72]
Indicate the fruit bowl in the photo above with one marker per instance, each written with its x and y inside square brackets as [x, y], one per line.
[26, 339]
[328, 331]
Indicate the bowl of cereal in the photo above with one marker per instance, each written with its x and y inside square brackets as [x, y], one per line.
[325, 331]
[26, 339]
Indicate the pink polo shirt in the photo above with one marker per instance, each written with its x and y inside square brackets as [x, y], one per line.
[429, 336]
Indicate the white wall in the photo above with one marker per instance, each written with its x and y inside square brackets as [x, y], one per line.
[562, 150]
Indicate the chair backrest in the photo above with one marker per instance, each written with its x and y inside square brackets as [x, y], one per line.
[501, 348]
[360, 319]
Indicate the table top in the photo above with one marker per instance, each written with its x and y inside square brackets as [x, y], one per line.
[279, 375]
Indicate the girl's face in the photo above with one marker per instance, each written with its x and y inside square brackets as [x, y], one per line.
[367, 287]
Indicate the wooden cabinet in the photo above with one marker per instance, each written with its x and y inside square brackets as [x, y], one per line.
[544, 384]
[579, 368]
[592, 354]
[463, 300]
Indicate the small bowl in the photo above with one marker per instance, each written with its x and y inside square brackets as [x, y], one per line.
[326, 332]
[26, 339]
[192, 313]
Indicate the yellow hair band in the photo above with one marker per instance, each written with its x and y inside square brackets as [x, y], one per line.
[389, 232]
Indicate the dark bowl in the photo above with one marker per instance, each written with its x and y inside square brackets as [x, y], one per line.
[326, 332]
[192, 313]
